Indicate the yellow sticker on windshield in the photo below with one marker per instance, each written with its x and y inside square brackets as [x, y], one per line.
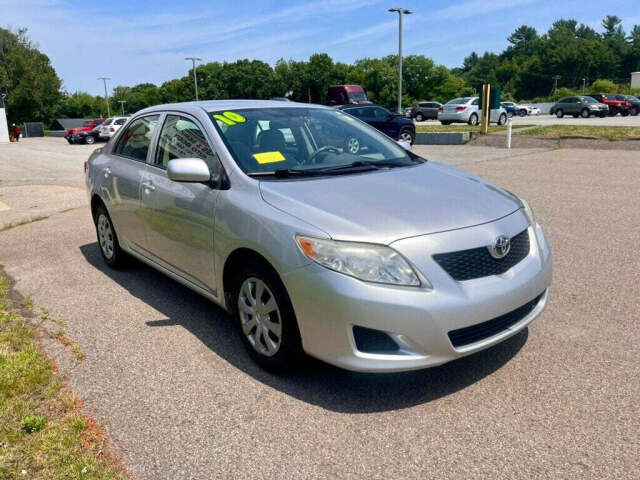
[268, 157]
[235, 117]
[224, 119]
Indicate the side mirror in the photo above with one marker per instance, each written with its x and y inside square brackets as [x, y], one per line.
[188, 170]
[404, 144]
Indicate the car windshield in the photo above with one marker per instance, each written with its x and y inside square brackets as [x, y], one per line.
[357, 96]
[108, 121]
[458, 101]
[302, 141]
[588, 100]
[610, 97]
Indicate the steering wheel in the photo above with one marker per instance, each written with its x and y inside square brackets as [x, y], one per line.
[327, 148]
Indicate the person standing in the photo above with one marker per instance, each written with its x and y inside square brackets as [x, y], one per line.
[15, 131]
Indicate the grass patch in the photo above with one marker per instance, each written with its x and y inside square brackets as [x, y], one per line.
[594, 131]
[463, 128]
[21, 222]
[43, 433]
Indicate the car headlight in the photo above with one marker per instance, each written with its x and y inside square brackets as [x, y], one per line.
[368, 262]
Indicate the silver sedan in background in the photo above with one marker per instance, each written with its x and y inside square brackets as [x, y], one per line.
[468, 110]
[373, 261]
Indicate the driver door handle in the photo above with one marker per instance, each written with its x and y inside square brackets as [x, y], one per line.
[148, 186]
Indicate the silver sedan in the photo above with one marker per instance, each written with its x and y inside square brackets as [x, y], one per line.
[371, 259]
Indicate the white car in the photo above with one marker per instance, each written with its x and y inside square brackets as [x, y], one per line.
[467, 110]
[532, 110]
[110, 126]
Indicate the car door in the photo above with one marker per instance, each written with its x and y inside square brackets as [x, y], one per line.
[178, 216]
[122, 176]
[383, 122]
[432, 110]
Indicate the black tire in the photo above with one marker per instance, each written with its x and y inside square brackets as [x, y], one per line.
[624, 113]
[445, 122]
[89, 140]
[635, 111]
[559, 113]
[585, 113]
[613, 112]
[408, 133]
[575, 115]
[473, 119]
[522, 113]
[115, 257]
[419, 117]
[602, 115]
[502, 119]
[289, 353]
[70, 141]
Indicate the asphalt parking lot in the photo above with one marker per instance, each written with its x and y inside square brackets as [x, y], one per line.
[167, 374]
[544, 120]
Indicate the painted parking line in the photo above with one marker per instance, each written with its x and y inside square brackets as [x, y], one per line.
[4, 207]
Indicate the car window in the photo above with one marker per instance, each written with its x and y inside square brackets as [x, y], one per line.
[301, 138]
[564, 100]
[134, 143]
[476, 102]
[458, 101]
[380, 113]
[357, 112]
[120, 121]
[181, 138]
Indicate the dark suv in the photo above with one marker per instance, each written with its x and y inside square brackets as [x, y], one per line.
[425, 111]
[580, 106]
[634, 101]
[395, 126]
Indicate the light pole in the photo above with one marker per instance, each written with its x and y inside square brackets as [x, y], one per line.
[555, 83]
[106, 95]
[195, 75]
[584, 84]
[401, 11]
[122, 102]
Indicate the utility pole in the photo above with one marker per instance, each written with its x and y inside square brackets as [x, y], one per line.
[401, 11]
[106, 95]
[555, 83]
[122, 102]
[584, 83]
[195, 74]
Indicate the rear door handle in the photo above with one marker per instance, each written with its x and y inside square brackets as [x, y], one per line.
[148, 186]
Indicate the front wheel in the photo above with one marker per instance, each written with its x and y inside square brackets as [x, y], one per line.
[266, 319]
[585, 113]
[406, 135]
[419, 117]
[445, 122]
[502, 120]
[559, 113]
[473, 119]
[634, 111]
[89, 140]
[522, 113]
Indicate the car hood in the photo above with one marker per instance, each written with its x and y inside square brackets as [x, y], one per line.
[385, 206]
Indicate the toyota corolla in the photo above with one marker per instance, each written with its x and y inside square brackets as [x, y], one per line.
[376, 260]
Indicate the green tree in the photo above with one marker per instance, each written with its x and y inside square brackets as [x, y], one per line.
[603, 86]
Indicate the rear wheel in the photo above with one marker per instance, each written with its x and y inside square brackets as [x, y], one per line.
[352, 144]
[634, 111]
[559, 113]
[585, 113]
[406, 135]
[502, 119]
[473, 119]
[624, 113]
[89, 140]
[445, 122]
[522, 112]
[419, 117]
[266, 319]
[108, 240]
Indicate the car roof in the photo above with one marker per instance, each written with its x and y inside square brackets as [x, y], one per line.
[216, 105]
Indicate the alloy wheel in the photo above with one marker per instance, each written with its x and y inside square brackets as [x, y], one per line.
[105, 236]
[353, 145]
[406, 136]
[260, 317]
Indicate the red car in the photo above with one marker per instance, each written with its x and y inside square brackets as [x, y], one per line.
[346, 94]
[87, 126]
[615, 105]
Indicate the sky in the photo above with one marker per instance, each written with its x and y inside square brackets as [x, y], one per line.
[135, 41]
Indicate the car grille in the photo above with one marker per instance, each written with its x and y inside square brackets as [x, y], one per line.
[475, 333]
[478, 262]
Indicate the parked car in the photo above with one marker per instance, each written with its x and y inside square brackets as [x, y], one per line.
[396, 126]
[111, 126]
[87, 126]
[90, 137]
[467, 110]
[634, 101]
[425, 111]
[531, 110]
[615, 106]
[346, 94]
[379, 261]
[579, 106]
[515, 109]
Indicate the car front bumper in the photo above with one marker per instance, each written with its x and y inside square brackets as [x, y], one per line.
[328, 304]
